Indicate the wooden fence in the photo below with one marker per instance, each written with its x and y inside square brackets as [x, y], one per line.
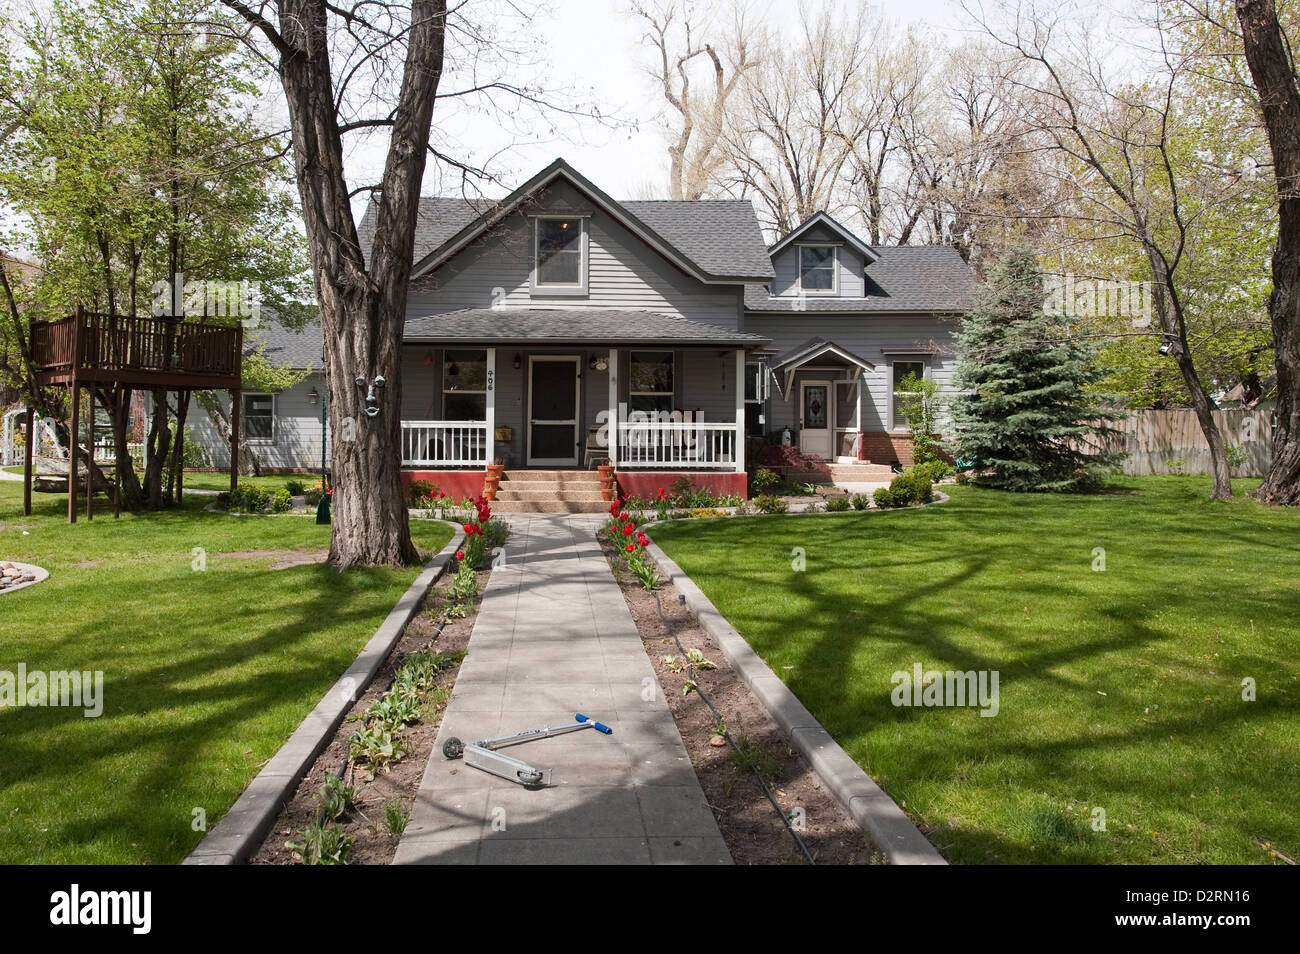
[1171, 442]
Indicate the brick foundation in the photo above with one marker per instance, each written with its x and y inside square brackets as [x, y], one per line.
[880, 447]
[643, 484]
[451, 483]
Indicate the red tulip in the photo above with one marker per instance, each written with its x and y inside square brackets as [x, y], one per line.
[460, 554]
[629, 548]
[628, 529]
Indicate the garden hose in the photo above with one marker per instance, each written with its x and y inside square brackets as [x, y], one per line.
[726, 733]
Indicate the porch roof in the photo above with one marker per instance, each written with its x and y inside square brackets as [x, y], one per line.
[816, 349]
[577, 326]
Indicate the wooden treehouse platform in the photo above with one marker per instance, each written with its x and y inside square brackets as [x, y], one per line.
[110, 353]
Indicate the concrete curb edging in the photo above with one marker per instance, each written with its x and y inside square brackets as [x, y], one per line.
[236, 836]
[873, 810]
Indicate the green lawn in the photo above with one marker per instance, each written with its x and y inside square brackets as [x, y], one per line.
[1120, 689]
[206, 673]
[213, 481]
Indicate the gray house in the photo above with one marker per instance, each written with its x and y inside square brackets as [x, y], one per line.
[558, 327]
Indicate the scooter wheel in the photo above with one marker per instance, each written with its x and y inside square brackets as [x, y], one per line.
[531, 778]
[453, 748]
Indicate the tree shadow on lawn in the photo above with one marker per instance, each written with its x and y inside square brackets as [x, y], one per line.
[185, 744]
[1054, 730]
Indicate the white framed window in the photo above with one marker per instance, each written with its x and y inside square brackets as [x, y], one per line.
[819, 270]
[899, 369]
[651, 376]
[464, 386]
[755, 395]
[559, 255]
[257, 418]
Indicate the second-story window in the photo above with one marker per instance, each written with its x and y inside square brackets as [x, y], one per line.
[559, 254]
[817, 269]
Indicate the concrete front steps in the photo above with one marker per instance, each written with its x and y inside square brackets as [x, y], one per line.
[858, 473]
[550, 491]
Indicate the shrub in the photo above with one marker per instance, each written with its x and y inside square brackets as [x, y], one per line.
[295, 487]
[910, 487]
[246, 498]
[280, 501]
[861, 501]
[837, 504]
[884, 498]
[766, 503]
[935, 470]
[417, 490]
[765, 480]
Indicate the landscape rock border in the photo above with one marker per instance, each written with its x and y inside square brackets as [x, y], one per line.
[874, 811]
[242, 829]
[28, 569]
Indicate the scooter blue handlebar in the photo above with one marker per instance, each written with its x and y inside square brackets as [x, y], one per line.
[599, 727]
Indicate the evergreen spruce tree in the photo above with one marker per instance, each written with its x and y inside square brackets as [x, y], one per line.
[1030, 423]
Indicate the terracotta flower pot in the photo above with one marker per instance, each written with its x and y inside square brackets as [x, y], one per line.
[496, 470]
[607, 493]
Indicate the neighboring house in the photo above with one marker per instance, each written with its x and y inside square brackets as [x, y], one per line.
[558, 327]
[283, 429]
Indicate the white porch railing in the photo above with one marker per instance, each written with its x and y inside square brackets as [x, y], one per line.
[444, 443]
[682, 444]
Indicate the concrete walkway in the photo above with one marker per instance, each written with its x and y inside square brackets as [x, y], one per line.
[554, 637]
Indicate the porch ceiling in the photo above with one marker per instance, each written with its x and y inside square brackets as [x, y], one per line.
[599, 327]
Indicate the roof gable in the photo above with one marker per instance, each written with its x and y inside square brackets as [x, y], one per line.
[817, 222]
[716, 241]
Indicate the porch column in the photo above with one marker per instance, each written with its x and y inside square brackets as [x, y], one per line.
[857, 415]
[611, 428]
[491, 415]
[740, 410]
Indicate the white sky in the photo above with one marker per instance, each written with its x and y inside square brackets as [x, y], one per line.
[594, 48]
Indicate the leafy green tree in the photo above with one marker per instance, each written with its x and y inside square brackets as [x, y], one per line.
[1029, 422]
[143, 158]
[919, 403]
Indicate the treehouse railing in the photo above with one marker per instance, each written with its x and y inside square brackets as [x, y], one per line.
[117, 344]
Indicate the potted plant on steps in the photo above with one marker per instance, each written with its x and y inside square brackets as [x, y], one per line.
[606, 471]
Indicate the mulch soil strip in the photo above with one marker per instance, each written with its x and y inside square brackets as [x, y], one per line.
[749, 824]
[372, 844]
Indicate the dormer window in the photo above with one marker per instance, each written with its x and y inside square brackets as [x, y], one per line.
[817, 270]
[560, 256]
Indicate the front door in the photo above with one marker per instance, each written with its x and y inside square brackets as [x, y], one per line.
[553, 411]
[815, 433]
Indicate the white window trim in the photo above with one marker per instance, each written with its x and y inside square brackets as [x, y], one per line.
[834, 290]
[553, 290]
[442, 380]
[926, 371]
[244, 415]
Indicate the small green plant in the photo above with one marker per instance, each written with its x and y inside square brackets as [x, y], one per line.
[1236, 456]
[464, 586]
[884, 498]
[394, 710]
[673, 662]
[696, 658]
[377, 746]
[321, 845]
[246, 498]
[766, 503]
[838, 504]
[417, 491]
[765, 480]
[643, 569]
[296, 488]
[1176, 465]
[280, 501]
[860, 501]
[395, 817]
[335, 798]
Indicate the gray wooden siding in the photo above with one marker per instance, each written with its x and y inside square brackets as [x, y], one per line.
[623, 272]
[868, 337]
[297, 432]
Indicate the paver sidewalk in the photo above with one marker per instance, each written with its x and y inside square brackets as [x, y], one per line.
[554, 637]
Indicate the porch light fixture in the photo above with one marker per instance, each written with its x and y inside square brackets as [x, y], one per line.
[518, 362]
[598, 363]
[313, 396]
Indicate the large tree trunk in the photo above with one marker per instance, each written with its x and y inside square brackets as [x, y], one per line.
[1270, 67]
[362, 315]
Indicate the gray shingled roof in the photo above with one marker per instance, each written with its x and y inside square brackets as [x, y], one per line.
[925, 278]
[721, 237]
[605, 326]
[815, 346]
[287, 348]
